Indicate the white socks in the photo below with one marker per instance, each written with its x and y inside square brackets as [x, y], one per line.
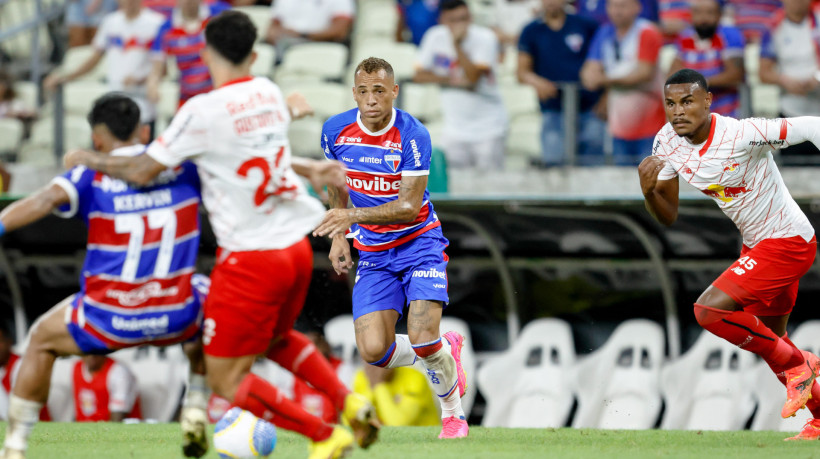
[403, 355]
[198, 393]
[441, 372]
[23, 414]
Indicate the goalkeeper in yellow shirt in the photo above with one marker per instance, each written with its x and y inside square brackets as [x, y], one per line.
[401, 395]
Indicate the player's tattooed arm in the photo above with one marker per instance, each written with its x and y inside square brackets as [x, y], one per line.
[139, 170]
[402, 210]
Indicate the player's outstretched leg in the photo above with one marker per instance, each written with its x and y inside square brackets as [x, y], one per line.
[442, 367]
[296, 353]
[49, 339]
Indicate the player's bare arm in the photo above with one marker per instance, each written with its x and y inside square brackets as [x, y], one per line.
[643, 73]
[32, 208]
[592, 75]
[402, 210]
[320, 174]
[731, 76]
[298, 106]
[660, 196]
[139, 170]
[339, 247]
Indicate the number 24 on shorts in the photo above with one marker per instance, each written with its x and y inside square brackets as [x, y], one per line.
[745, 262]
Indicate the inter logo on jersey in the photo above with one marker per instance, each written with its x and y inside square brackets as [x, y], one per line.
[393, 161]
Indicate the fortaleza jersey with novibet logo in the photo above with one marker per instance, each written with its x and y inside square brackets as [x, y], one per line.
[375, 163]
[141, 253]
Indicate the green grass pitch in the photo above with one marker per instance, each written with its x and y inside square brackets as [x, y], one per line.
[150, 441]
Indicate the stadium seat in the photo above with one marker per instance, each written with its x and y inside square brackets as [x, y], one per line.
[377, 19]
[423, 101]
[523, 142]
[79, 96]
[20, 45]
[709, 387]
[520, 100]
[401, 56]
[27, 93]
[323, 61]
[260, 16]
[161, 374]
[305, 138]
[666, 57]
[765, 97]
[508, 70]
[529, 385]
[75, 57]
[341, 336]
[770, 393]
[11, 134]
[618, 383]
[265, 60]
[36, 156]
[468, 358]
[167, 105]
[327, 99]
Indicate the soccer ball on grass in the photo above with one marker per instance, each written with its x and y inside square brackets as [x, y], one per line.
[241, 435]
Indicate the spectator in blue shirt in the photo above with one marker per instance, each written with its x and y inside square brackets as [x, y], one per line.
[551, 51]
[417, 16]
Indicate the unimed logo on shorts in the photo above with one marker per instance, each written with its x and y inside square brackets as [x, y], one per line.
[430, 273]
[134, 324]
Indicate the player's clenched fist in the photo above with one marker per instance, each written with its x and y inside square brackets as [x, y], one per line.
[648, 172]
[340, 255]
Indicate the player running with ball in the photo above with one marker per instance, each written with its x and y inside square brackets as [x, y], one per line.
[730, 161]
[401, 247]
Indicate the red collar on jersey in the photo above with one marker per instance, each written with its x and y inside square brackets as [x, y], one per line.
[238, 80]
[711, 135]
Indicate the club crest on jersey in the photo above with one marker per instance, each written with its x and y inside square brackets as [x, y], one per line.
[393, 161]
[730, 167]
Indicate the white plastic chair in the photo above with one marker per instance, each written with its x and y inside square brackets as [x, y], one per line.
[524, 141]
[260, 16]
[79, 96]
[161, 374]
[76, 56]
[265, 60]
[618, 383]
[771, 394]
[468, 359]
[520, 100]
[529, 385]
[341, 335]
[423, 101]
[401, 56]
[709, 387]
[304, 136]
[318, 60]
[327, 99]
[11, 134]
[377, 19]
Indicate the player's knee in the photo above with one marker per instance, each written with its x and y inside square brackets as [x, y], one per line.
[707, 316]
[373, 351]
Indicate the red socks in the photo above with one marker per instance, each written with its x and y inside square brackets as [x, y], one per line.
[265, 401]
[748, 332]
[296, 353]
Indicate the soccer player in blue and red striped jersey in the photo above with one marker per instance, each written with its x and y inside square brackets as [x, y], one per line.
[182, 37]
[386, 153]
[137, 280]
[716, 52]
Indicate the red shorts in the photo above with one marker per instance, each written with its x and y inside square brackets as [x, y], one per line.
[764, 279]
[254, 297]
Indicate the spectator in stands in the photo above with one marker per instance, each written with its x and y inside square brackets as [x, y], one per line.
[511, 16]
[8, 360]
[714, 50]
[125, 36]
[596, 9]
[674, 16]
[754, 17]
[623, 59]
[463, 58]
[82, 17]
[416, 16]
[10, 105]
[183, 38]
[401, 395]
[788, 58]
[293, 22]
[104, 390]
[551, 51]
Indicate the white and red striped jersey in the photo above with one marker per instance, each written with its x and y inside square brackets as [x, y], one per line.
[376, 163]
[112, 389]
[734, 167]
[238, 137]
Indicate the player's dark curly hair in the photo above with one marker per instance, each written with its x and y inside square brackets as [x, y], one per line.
[373, 65]
[232, 34]
[448, 5]
[118, 112]
[688, 76]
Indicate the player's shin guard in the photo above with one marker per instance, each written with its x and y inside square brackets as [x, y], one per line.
[267, 402]
[746, 331]
[296, 353]
[441, 371]
[399, 354]
[23, 414]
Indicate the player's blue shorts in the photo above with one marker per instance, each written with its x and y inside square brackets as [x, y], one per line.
[97, 331]
[391, 279]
